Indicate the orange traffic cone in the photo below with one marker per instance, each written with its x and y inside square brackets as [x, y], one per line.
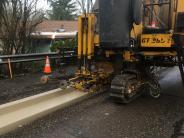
[47, 69]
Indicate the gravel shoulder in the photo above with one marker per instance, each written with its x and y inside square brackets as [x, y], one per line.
[28, 85]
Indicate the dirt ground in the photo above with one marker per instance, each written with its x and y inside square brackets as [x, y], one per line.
[28, 85]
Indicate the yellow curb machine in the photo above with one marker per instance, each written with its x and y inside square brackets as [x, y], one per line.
[121, 44]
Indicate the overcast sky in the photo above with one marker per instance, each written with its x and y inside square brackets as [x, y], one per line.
[43, 4]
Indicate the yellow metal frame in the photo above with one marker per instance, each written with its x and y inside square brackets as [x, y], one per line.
[155, 53]
[86, 36]
[87, 40]
[127, 55]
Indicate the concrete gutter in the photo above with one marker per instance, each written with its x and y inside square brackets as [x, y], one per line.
[21, 112]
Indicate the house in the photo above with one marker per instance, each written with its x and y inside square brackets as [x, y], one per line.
[49, 31]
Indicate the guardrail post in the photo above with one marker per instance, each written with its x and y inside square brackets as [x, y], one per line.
[10, 68]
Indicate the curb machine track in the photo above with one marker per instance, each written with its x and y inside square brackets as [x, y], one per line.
[125, 88]
[128, 86]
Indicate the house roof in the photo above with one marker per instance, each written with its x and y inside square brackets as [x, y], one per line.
[53, 26]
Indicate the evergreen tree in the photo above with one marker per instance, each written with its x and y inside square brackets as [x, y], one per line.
[62, 9]
[2, 4]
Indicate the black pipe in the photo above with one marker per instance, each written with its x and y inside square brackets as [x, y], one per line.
[170, 16]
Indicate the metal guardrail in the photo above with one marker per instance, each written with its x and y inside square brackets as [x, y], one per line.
[35, 57]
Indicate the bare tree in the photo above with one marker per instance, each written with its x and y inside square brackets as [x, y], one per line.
[18, 21]
[85, 5]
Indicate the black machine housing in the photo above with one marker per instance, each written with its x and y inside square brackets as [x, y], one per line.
[116, 22]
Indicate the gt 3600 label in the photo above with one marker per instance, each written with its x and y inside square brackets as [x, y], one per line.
[156, 40]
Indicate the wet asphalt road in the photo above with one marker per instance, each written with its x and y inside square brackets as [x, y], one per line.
[98, 117]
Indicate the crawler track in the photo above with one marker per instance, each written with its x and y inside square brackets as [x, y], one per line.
[120, 88]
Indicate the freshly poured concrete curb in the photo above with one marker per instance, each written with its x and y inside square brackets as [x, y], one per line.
[21, 112]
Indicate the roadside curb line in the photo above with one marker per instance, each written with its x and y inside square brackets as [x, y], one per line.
[21, 112]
